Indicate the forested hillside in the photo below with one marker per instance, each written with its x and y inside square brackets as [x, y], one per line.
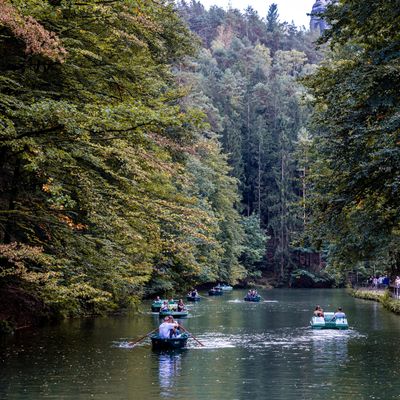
[247, 74]
[355, 152]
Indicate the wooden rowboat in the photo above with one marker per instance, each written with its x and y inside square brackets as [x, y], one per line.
[254, 299]
[173, 313]
[169, 344]
[193, 298]
[215, 292]
[156, 305]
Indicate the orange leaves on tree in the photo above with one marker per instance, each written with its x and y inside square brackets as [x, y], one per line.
[37, 39]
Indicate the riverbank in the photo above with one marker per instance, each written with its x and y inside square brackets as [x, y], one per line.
[20, 309]
[380, 296]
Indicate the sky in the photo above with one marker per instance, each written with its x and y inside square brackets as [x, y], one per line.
[289, 10]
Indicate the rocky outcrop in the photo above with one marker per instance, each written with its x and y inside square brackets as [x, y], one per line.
[318, 24]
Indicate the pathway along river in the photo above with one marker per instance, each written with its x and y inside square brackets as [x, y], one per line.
[253, 351]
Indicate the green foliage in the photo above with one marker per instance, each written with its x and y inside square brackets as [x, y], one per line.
[355, 152]
[253, 247]
[301, 278]
[114, 185]
[93, 156]
[248, 73]
[385, 298]
[368, 294]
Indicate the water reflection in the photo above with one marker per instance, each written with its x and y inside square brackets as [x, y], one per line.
[330, 347]
[169, 369]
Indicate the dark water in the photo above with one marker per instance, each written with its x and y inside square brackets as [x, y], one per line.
[253, 351]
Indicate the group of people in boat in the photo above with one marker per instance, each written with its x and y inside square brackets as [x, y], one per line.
[193, 293]
[172, 305]
[319, 312]
[252, 294]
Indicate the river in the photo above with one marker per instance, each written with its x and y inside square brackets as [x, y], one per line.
[252, 351]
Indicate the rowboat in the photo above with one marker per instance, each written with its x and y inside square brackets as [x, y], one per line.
[169, 344]
[156, 305]
[215, 292]
[329, 321]
[193, 298]
[173, 313]
[254, 299]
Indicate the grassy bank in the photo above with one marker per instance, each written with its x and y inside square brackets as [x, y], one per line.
[383, 297]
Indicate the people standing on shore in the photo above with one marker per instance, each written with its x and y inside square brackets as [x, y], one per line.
[397, 286]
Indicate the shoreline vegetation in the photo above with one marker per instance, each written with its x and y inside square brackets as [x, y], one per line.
[380, 296]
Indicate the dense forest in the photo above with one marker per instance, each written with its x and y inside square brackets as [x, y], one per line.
[148, 146]
[248, 70]
[355, 129]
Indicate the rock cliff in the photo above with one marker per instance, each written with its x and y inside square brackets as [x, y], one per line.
[317, 23]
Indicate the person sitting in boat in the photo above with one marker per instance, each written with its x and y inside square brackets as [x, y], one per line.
[318, 312]
[157, 299]
[168, 329]
[339, 313]
[165, 306]
[171, 305]
[181, 306]
[194, 293]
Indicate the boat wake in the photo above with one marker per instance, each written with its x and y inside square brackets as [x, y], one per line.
[211, 342]
[302, 339]
[126, 345]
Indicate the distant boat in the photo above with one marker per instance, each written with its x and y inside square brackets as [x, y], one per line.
[254, 299]
[173, 313]
[224, 287]
[156, 305]
[193, 298]
[169, 344]
[216, 291]
[329, 321]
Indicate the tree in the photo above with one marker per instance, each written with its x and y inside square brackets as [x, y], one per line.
[93, 152]
[356, 155]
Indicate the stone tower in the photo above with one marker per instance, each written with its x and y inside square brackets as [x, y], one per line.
[317, 23]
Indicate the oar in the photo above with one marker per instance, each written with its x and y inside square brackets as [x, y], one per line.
[143, 337]
[198, 341]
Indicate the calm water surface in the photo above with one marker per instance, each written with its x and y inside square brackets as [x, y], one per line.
[253, 351]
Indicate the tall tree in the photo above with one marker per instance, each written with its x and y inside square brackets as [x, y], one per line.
[356, 162]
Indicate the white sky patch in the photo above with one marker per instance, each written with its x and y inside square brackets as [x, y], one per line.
[289, 10]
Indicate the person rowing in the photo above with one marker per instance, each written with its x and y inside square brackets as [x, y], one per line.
[181, 305]
[168, 329]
